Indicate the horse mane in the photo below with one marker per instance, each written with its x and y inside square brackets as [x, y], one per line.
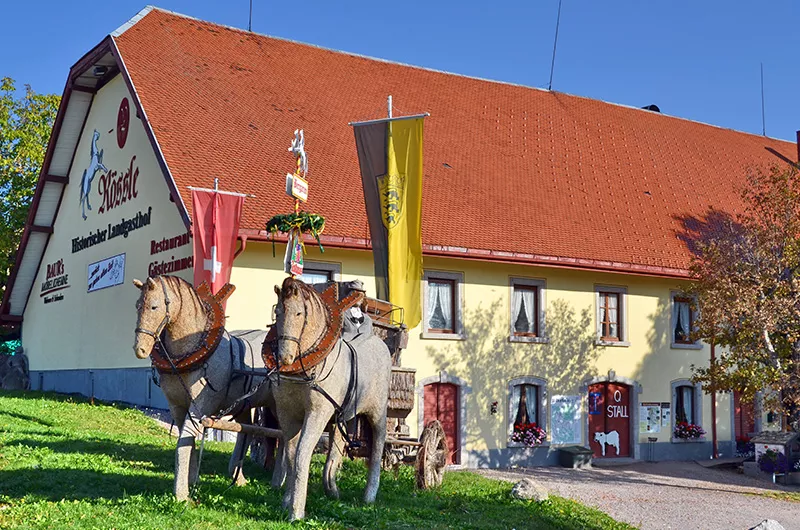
[291, 284]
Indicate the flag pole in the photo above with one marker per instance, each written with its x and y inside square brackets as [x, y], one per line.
[390, 105]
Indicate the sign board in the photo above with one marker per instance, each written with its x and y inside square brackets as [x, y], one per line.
[565, 420]
[650, 418]
[299, 188]
[666, 415]
[106, 273]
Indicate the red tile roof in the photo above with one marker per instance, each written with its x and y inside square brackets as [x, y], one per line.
[529, 174]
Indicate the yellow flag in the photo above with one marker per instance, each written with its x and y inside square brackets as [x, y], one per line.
[401, 212]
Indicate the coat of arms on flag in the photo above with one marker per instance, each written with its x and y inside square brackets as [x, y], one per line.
[392, 188]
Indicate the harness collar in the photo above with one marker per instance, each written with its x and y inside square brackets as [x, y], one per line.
[322, 347]
[211, 335]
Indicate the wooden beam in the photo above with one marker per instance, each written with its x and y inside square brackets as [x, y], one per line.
[240, 427]
[56, 178]
[42, 229]
[11, 318]
[88, 90]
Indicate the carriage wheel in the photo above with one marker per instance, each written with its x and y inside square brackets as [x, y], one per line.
[432, 456]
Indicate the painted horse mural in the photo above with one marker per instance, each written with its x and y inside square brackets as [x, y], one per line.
[203, 367]
[333, 378]
[95, 165]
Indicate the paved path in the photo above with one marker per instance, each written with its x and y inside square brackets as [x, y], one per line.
[681, 495]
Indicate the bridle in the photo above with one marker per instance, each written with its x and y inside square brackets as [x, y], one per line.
[164, 321]
[292, 338]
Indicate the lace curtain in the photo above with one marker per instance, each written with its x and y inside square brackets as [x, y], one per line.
[681, 320]
[524, 310]
[440, 305]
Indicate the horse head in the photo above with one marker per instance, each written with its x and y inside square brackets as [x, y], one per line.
[299, 319]
[153, 314]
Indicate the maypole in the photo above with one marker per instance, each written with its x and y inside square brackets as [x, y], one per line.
[300, 222]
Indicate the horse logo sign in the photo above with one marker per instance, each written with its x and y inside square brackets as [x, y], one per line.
[89, 173]
[392, 189]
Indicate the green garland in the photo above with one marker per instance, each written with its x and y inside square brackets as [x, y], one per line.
[307, 223]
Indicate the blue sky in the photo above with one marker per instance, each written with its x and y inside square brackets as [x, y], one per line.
[694, 59]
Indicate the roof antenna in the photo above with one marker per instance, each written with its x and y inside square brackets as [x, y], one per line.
[250, 20]
[763, 118]
[553, 62]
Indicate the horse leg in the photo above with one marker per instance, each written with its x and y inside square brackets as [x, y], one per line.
[313, 427]
[291, 438]
[184, 458]
[279, 470]
[239, 452]
[332, 464]
[377, 420]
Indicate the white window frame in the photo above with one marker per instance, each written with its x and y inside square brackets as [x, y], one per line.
[697, 409]
[540, 285]
[335, 269]
[542, 412]
[696, 345]
[458, 292]
[622, 315]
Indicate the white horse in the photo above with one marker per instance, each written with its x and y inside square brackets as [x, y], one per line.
[95, 165]
[355, 375]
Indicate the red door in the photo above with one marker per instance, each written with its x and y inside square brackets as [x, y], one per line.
[441, 403]
[609, 420]
[744, 415]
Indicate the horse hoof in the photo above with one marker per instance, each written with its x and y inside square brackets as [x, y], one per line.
[240, 480]
[333, 494]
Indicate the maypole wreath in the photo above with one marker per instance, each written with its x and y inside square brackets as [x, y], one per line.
[300, 222]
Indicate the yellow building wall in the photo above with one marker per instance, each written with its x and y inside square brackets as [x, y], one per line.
[95, 329]
[487, 360]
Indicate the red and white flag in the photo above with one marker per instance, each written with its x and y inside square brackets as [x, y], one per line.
[215, 228]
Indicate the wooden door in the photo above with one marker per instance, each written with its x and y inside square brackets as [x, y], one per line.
[744, 416]
[441, 403]
[609, 420]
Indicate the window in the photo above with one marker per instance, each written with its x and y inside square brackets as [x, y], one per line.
[527, 396]
[611, 316]
[525, 401]
[687, 406]
[320, 272]
[527, 310]
[442, 305]
[311, 276]
[684, 404]
[609, 312]
[682, 322]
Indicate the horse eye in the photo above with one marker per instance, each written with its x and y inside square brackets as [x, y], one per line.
[154, 307]
[299, 313]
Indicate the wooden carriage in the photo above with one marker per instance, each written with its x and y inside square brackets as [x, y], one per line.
[428, 453]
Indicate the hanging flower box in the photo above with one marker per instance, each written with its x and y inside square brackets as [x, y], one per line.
[528, 434]
[688, 431]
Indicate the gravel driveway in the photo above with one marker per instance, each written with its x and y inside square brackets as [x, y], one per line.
[666, 494]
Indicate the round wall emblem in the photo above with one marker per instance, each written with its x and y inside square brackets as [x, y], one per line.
[123, 121]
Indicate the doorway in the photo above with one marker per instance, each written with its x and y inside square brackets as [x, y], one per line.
[610, 420]
[442, 403]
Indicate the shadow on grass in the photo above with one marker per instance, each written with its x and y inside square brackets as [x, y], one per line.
[26, 417]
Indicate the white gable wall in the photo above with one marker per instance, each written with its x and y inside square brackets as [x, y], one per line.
[65, 326]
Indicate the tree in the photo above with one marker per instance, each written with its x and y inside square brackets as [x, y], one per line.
[747, 271]
[25, 126]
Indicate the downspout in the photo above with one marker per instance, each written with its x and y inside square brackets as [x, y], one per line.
[714, 403]
[243, 237]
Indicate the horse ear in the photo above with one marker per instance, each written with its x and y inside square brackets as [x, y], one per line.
[277, 290]
[150, 283]
[138, 283]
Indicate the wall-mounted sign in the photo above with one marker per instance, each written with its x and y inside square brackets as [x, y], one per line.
[565, 420]
[666, 416]
[123, 121]
[106, 273]
[56, 280]
[125, 226]
[595, 403]
[650, 418]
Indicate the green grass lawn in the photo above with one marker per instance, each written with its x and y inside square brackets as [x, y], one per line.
[67, 463]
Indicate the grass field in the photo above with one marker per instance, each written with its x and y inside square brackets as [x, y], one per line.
[67, 463]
